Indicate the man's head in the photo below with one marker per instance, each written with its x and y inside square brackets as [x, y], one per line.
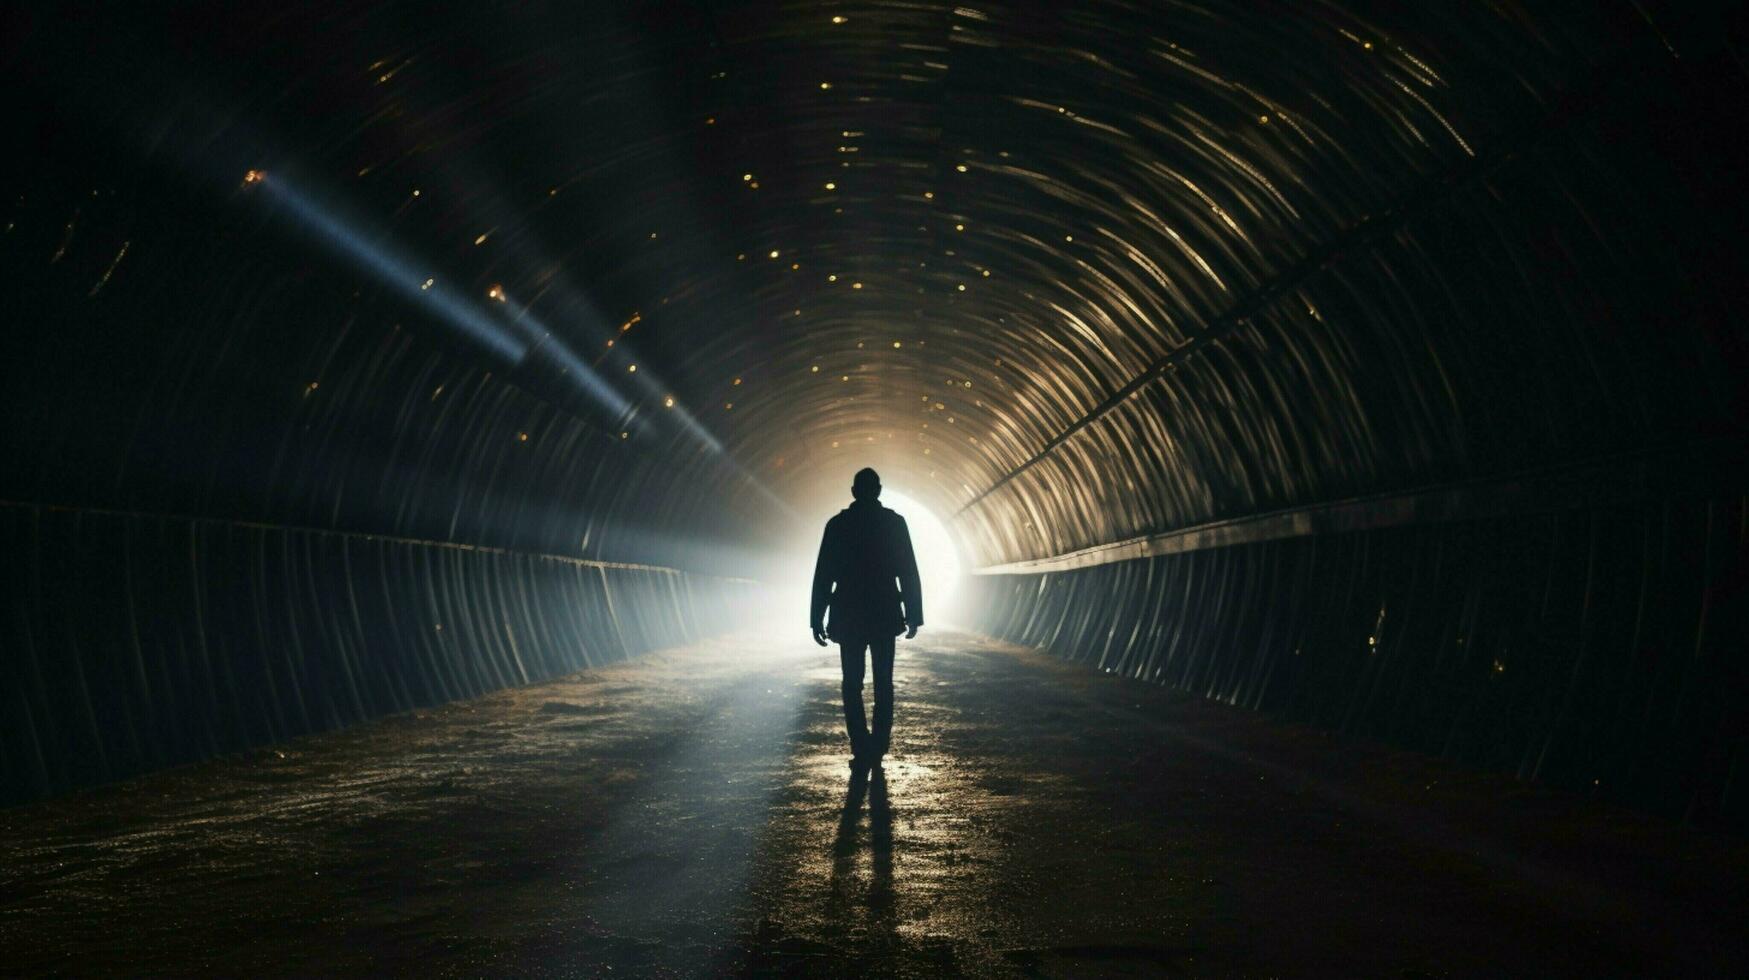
[867, 485]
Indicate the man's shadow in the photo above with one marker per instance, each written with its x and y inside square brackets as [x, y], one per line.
[869, 785]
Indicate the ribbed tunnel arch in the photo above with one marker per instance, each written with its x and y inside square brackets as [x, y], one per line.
[1223, 338]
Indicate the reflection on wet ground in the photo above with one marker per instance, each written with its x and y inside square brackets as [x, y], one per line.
[692, 813]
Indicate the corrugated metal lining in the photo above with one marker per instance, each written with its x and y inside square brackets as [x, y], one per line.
[136, 642]
[1599, 650]
[1694, 470]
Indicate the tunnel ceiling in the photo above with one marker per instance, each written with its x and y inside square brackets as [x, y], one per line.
[1068, 273]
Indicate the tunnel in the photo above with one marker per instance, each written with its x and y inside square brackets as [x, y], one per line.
[408, 406]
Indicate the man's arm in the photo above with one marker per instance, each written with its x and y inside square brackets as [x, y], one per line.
[824, 573]
[910, 584]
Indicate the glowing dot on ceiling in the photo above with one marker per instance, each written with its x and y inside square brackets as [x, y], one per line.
[986, 273]
[746, 176]
[831, 186]
[1263, 119]
[961, 168]
[427, 284]
[254, 177]
[815, 369]
[774, 253]
[897, 344]
[856, 285]
[736, 381]
[929, 195]
[631, 369]
[832, 278]
[959, 227]
[962, 287]
[668, 402]
[496, 292]
[825, 85]
[522, 437]
[839, 19]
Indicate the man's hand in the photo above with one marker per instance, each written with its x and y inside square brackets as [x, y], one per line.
[911, 634]
[820, 636]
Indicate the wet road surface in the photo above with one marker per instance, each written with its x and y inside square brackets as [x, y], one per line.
[691, 813]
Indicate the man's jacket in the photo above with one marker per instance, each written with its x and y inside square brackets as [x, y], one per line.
[866, 576]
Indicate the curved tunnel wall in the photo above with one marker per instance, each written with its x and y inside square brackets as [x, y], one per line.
[1561, 295]
[1598, 649]
[146, 642]
[645, 283]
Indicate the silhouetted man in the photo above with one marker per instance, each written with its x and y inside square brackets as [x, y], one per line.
[867, 555]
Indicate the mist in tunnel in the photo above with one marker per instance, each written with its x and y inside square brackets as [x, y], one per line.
[938, 555]
[790, 562]
[1095, 291]
[1373, 373]
[1107, 294]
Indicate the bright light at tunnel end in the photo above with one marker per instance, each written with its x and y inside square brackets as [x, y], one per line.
[939, 565]
[938, 559]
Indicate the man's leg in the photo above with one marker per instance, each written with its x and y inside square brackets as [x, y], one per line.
[850, 658]
[881, 655]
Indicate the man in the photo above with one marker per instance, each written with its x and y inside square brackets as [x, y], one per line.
[866, 550]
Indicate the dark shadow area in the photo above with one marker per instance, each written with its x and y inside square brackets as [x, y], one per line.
[870, 784]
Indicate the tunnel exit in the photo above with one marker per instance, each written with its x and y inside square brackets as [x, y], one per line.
[938, 555]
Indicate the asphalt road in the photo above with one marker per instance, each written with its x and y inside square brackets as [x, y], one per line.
[692, 813]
